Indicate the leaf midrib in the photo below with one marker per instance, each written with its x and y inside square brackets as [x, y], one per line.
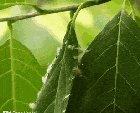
[12, 72]
[117, 55]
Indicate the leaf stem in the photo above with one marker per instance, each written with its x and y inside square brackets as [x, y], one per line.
[83, 5]
[55, 10]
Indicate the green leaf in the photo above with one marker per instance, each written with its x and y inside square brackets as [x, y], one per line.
[55, 93]
[20, 76]
[110, 81]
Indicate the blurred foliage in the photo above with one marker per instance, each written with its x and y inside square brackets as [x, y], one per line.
[8, 3]
[137, 10]
[38, 39]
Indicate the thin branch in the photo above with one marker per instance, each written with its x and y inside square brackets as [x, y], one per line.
[50, 11]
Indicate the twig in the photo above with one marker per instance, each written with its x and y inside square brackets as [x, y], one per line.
[50, 11]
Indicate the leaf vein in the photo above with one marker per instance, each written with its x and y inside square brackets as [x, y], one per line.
[27, 66]
[1, 75]
[120, 108]
[128, 83]
[104, 51]
[106, 106]
[129, 30]
[5, 59]
[133, 56]
[92, 85]
[29, 82]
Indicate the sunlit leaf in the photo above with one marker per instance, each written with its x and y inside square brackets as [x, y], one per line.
[20, 76]
[55, 93]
